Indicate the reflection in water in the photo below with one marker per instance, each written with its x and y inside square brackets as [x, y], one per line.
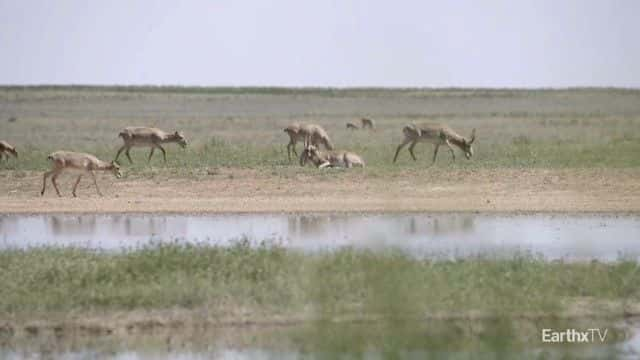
[149, 226]
[581, 237]
[72, 225]
[308, 225]
[457, 339]
[452, 224]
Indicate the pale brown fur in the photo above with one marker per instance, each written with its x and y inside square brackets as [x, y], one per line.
[79, 162]
[138, 136]
[7, 150]
[337, 158]
[437, 134]
[367, 123]
[299, 132]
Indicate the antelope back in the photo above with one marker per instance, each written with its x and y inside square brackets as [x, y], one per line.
[411, 131]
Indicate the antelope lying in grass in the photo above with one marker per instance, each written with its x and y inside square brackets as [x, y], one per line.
[336, 158]
[77, 162]
[301, 132]
[148, 137]
[351, 126]
[437, 134]
[367, 123]
[6, 150]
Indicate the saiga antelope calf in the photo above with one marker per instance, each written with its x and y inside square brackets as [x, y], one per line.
[301, 132]
[367, 123]
[77, 162]
[336, 158]
[138, 136]
[437, 134]
[351, 126]
[6, 150]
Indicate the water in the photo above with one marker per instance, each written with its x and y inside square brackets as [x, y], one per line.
[413, 340]
[568, 237]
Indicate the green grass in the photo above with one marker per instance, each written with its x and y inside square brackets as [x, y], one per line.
[242, 127]
[252, 283]
[274, 279]
[197, 159]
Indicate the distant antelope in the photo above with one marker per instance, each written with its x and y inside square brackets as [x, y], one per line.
[300, 132]
[77, 162]
[367, 123]
[148, 137]
[351, 126]
[336, 158]
[6, 150]
[437, 134]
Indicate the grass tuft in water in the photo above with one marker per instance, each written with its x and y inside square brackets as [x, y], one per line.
[273, 279]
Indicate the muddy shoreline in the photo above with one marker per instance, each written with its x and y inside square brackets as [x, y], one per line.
[141, 321]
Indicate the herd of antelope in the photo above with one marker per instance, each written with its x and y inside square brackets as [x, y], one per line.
[312, 136]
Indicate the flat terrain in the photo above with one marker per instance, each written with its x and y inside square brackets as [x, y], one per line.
[244, 190]
[560, 151]
[543, 150]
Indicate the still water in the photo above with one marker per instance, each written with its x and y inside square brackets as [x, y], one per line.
[568, 237]
[510, 339]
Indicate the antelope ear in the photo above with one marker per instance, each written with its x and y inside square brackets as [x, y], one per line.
[473, 136]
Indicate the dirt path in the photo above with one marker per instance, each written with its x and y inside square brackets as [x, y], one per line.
[242, 190]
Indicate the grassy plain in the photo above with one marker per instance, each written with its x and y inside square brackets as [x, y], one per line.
[579, 146]
[536, 150]
[243, 127]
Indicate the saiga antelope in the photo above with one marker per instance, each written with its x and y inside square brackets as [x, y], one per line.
[301, 132]
[351, 126]
[77, 162]
[137, 136]
[336, 158]
[437, 134]
[367, 123]
[6, 150]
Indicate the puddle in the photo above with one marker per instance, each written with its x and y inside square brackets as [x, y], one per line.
[504, 339]
[572, 237]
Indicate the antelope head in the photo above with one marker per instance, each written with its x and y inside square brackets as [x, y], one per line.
[467, 148]
[115, 169]
[179, 138]
[309, 151]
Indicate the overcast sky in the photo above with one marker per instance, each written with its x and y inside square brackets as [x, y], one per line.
[510, 43]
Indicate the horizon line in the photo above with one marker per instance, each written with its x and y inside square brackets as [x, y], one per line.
[309, 87]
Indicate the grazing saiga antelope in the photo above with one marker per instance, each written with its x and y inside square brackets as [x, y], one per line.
[437, 134]
[367, 123]
[138, 136]
[77, 162]
[337, 158]
[301, 132]
[6, 150]
[351, 126]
